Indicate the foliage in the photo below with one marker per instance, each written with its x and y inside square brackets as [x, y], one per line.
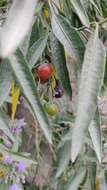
[53, 123]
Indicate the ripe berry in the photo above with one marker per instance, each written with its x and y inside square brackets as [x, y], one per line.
[45, 72]
[51, 108]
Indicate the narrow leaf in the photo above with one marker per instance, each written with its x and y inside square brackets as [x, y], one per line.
[65, 138]
[4, 126]
[91, 80]
[86, 4]
[4, 186]
[36, 51]
[68, 36]
[95, 5]
[64, 157]
[5, 81]
[57, 3]
[59, 61]
[34, 33]
[17, 25]
[15, 97]
[95, 133]
[80, 12]
[75, 181]
[19, 157]
[37, 31]
[28, 85]
[92, 169]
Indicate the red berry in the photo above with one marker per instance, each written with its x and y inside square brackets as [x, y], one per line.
[45, 72]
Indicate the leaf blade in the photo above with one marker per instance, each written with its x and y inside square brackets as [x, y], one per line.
[12, 34]
[59, 61]
[4, 126]
[36, 51]
[19, 157]
[95, 133]
[27, 83]
[91, 80]
[68, 36]
[74, 182]
[5, 81]
[64, 157]
[81, 12]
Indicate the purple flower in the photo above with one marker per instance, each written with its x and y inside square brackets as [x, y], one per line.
[21, 167]
[8, 145]
[19, 125]
[15, 187]
[8, 159]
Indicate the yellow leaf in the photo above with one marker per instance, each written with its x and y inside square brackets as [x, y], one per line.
[53, 83]
[62, 6]
[13, 87]
[4, 170]
[55, 73]
[15, 97]
[46, 13]
[97, 183]
[1, 158]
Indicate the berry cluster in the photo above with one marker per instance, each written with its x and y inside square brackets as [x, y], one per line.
[45, 74]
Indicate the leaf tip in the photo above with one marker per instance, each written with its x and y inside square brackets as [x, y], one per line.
[73, 156]
[74, 153]
[77, 143]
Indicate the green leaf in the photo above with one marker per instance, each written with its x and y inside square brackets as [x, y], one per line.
[5, 81]
[95, 5]
[91, 170]
[36, 50]
[28, 85]
[80, 12]
[65, 138]
[17, 25]
[105, 74]
[68, 36]
[86, 4]
[90, 85]
[34, 33]
[37, 31]
[59, 61]
[4, 125]
[64, 157]
[95, 133]
[57, 3]
[75, 181]
[19, 157]
[4, 186]
[39, 7]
